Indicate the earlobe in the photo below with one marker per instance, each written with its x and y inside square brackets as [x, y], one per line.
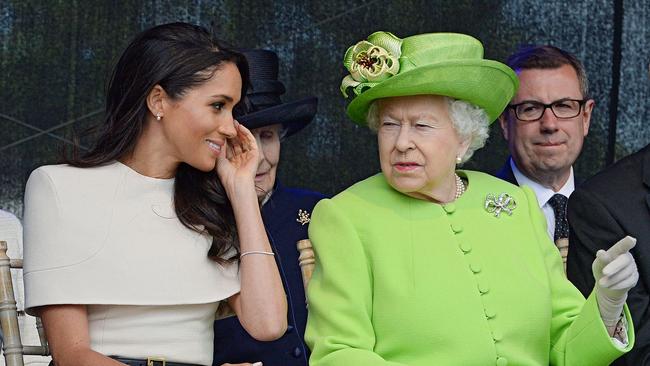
[155, 100]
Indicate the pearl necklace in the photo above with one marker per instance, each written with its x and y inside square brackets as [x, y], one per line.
[460, 187]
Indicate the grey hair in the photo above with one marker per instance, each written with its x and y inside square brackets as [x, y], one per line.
[470, 122]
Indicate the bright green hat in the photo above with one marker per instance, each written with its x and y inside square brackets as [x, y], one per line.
[447, 64]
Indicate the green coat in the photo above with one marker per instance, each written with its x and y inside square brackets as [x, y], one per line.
[402, 281]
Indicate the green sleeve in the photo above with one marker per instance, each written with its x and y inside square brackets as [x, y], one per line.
[578, 335]
[339, 326]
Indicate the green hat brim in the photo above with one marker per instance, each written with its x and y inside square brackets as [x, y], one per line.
[485, 83]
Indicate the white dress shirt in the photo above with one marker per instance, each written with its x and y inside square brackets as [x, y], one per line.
[544, 194]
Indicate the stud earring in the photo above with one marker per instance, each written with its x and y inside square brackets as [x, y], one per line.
[158, 117]
[458, 160]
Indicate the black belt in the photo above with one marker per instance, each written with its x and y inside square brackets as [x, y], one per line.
[151, 361]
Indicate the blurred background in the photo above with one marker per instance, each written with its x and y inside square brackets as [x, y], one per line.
[55, 58]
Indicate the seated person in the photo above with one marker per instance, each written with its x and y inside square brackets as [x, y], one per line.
[130, 248]
[427, 264]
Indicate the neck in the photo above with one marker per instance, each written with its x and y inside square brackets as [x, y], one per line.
[150, 156]
[551, 180]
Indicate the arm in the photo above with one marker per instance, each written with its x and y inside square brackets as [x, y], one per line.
[261, 306]
[578, 334]
[339, 327]
[594, 228]
[67, 335]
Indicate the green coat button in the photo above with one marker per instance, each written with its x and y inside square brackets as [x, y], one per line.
[475, 267]
[449, 208]
[465, 247]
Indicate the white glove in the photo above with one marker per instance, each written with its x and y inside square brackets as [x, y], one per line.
[615, 273]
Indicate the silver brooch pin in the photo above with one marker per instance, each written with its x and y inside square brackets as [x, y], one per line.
[502, 203]
[303, 217]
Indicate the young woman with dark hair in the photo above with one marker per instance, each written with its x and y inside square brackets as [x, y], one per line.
[130, 247]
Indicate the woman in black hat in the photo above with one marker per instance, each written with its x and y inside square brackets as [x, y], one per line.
[285, 212]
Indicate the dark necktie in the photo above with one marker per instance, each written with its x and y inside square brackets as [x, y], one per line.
[558, 202]
[561, 235]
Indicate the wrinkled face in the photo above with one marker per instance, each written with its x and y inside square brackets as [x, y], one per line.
[268, 141]
[549, 145]
[197, 124]
[418, 144]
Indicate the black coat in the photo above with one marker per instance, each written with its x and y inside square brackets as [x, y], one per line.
[506, 173]
[231, 342]
[605, 208]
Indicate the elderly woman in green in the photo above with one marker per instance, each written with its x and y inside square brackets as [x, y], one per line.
[424, 264]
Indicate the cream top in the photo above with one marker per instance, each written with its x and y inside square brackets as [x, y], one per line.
[108, 236]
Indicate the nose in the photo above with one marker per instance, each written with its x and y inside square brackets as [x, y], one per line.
[548, 122]
[227, 128]
[404, 140]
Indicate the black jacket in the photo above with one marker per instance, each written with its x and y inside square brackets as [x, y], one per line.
[605, 208]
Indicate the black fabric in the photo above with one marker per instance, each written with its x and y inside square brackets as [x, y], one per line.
[559, 204]
[232, 344]
[604, 209]
[137, 362]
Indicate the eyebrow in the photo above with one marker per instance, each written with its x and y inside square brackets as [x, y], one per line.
[226, 97]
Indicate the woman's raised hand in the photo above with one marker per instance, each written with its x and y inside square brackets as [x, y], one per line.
[239, 165]
[615, 273]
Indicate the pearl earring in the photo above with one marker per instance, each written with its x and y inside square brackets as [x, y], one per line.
[158, 117]
[458, 160]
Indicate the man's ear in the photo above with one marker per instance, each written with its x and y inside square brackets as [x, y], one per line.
[155, 101]
[503, 122]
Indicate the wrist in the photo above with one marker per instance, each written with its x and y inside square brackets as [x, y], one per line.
[240, 189]
[610, 308]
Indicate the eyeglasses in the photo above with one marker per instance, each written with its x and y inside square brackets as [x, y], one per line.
[533, 111]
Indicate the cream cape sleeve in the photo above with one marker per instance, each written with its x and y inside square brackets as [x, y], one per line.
[108, 235]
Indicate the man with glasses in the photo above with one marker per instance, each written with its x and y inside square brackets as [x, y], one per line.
[545, 125]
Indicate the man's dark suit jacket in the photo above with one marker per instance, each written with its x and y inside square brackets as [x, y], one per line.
[506, 173]
[231, 342]
[605, 208]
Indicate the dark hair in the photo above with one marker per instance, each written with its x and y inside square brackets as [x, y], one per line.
[548, 57]
[178, 57]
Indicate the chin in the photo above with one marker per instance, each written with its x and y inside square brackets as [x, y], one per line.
[404, 187]
[204, 166]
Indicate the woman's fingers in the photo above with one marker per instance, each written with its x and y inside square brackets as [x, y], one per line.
[246, 138]
[614, 279]
[618, 263]
[622, 246]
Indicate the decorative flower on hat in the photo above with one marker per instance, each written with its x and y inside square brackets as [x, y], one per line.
[371, 62]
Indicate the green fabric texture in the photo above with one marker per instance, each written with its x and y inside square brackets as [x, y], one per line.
[402, 281]
[447, 64]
